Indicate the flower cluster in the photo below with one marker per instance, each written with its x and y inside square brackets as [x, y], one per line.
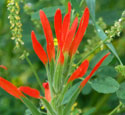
[58, 63]
[15, 22]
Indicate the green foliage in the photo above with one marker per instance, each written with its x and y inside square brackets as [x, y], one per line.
[70, 92]
[105, 85]
[121, 91]
[120, 69]
[48, 11]
[31, 106]
[87, 89]
[100, 32]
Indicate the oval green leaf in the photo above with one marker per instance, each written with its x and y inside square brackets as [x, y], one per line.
[105, 85]
[121, 91]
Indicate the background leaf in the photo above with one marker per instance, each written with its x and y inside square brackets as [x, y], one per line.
[121, 91]
[50, 12]
[76, 6]
[105, 85]
[100, 32]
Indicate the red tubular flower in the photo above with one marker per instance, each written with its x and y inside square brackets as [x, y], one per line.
[58, 26]
[80, 71]
[10, 88]
[66, 24]
[47, 91]
[80, 32]
[30, 91]
[92, 72]
[38, 49]
[4, 67]
[70, 36]
[48, 35]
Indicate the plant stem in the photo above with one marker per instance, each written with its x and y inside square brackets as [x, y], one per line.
[37, 77]
[115, 109]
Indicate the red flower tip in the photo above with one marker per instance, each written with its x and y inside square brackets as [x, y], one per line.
[69, 7]
[47, 91]
[70, 36]
[58, 26]
[38, 49]
[48, 34]
[80, 71]
[93, 71]
[4, 67]
[46, 85]
[10, 88]
[80, 32]
[30, 91]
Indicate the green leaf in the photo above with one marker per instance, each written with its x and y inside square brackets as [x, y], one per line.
[70, 93]
[98, 56]
[76, 6]
[30, 106]
[50, 12]
[105, 85]
[87, 89]
[121, 91]
[123, 101]
[107, 71]
[91, 5]
[71, 102]
[115, 14]
[90, 111]
[100, 32]
[28, 112]
[48, 106]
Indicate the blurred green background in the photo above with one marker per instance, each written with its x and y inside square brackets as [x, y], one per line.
[19, 72]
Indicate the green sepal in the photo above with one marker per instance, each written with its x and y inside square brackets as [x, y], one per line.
[51, 66]
[49, 108]
[57, 78]
[66, 65]
[30, 106]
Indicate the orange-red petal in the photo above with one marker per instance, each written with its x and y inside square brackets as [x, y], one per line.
[10, 88]
[66, 24]
[38, 49]
[30, 91]
[58, 25]
[4, 67]
[61, 57]
[70, 36]
[93, 71]
[48, 34]
[80, 71]
[80, 32]
[47, 91]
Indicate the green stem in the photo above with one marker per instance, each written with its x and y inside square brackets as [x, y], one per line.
[91, 51]
[37, 77]
[115, 109]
